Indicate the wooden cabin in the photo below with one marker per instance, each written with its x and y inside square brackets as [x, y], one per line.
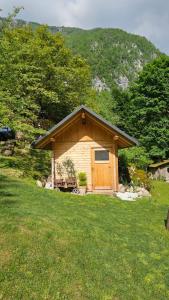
[91, 143]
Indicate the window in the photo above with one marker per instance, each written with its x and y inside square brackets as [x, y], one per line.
[101, 155]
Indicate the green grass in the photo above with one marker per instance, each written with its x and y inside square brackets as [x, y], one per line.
[59, 246]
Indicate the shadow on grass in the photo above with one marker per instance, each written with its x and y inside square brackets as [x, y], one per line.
[5, 184]
[7, 202]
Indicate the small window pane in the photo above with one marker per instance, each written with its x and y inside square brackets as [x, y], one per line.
[101, 155]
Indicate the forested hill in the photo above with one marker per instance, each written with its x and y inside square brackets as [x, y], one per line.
[114, 55]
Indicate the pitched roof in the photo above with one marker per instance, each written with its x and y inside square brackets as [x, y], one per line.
[156, 165]
[83, 108]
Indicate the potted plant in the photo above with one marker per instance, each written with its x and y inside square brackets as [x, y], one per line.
[71, 173]
[59, 182]
[82, 182]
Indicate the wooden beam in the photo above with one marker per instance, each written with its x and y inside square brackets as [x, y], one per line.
[52, 140]
[116, 168]
[116, 138]
[53, 164]
[83, 116]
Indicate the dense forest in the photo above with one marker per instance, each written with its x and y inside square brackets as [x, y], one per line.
[45, 76]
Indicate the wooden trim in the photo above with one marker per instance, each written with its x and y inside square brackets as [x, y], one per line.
[52, 169]
[92, 167]
[53, 166]
[116, 168]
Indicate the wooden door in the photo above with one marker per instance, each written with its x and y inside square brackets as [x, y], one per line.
[102, 168]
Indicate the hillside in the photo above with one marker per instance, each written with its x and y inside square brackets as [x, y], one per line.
[114, 55]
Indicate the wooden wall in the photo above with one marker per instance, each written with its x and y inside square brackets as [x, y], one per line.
[76, 142]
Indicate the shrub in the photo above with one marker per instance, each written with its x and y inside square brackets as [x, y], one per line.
[34, 163]
[139, 178]
[137, 156]
[82, 179]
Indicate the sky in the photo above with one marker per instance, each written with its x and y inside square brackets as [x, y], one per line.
[149, 18]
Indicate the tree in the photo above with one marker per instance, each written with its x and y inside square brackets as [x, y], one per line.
[121, 106]
[41, 81]
[41, 77]
[103, 104]
[148, 117]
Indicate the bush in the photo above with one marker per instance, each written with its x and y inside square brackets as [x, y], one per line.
[137, 156]
[140, 178]
[82, 179]
[34, 163]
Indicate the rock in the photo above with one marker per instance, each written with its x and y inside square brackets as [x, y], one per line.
[144, 193]
[82, 190]
[39, 183]
[122, 188]
[48, 185]
[127, 196]
[19, 135]
[49, 179]
[2, 143]
[123, 82]
[138, 188]
[8, 152]
[99, 85]
[130, 189]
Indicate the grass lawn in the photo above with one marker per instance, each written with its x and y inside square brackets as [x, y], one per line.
[59, 246]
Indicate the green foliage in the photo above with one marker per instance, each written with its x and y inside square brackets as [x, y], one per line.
[103, 104]
[68, 164]
[137, 156]
[9, 21]
[41, 82]
[82, 179]
[59, 169]
[148, 117]
[140, 178]
[41, 73]
[121, 99]
[35, 164]
[111, 53]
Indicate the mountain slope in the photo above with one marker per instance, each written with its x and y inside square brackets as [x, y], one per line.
[114, 55]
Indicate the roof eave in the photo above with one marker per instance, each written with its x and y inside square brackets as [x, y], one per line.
[37, 144]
